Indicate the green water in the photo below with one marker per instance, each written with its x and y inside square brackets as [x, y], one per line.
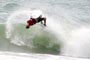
[42, 41]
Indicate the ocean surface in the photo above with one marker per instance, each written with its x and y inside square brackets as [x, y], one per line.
[67, 32]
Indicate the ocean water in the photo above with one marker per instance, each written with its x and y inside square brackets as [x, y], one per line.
[67, 31]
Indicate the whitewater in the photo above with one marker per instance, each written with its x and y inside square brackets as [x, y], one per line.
[66, 36]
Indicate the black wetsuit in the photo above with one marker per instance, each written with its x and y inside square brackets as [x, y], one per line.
[39, 19]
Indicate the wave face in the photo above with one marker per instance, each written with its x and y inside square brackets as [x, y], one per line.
[67, 32]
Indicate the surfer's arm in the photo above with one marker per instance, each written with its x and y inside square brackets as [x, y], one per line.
[44, 21]
[28, 25]
[41, 22]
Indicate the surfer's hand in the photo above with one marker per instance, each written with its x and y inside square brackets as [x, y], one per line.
[44, 24]
[27, 27]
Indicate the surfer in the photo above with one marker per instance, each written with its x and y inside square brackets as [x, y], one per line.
[33, 21]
